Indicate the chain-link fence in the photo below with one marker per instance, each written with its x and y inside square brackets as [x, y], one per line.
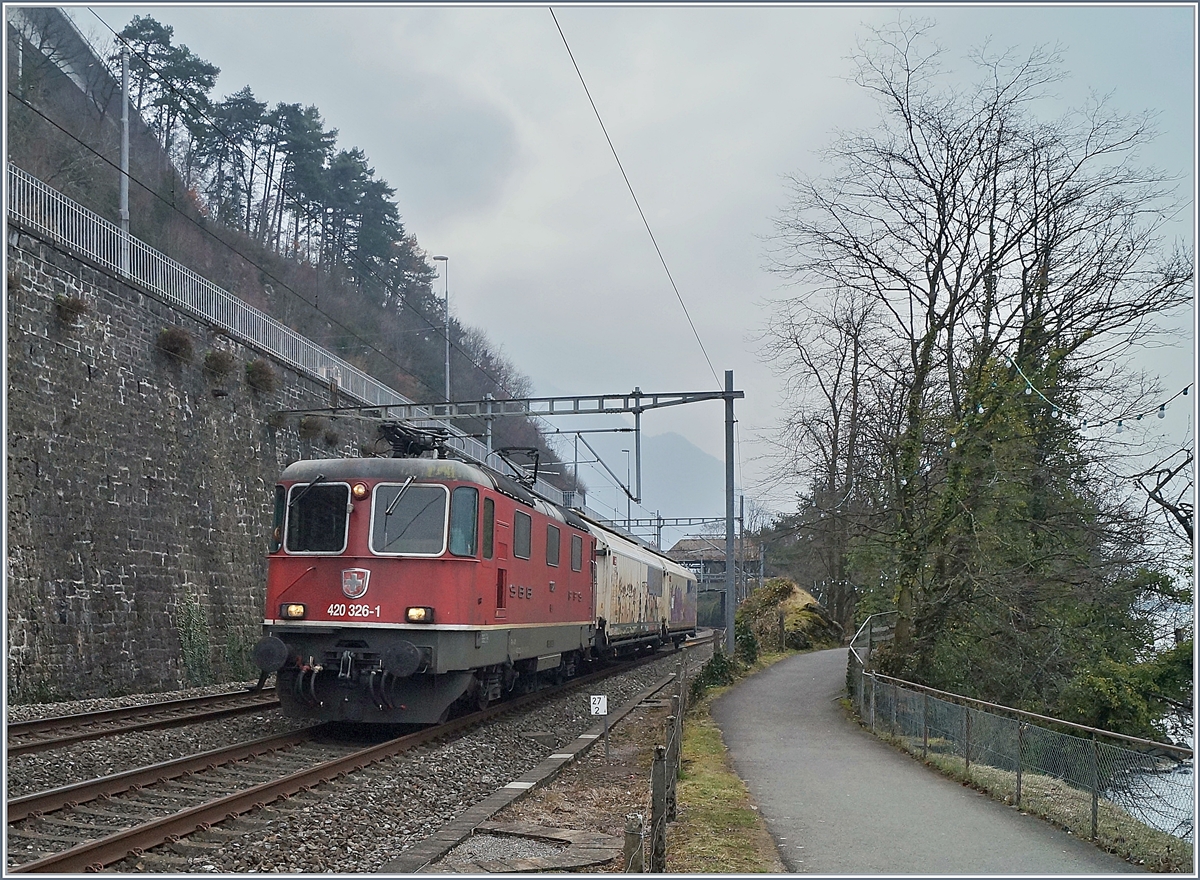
[1091, 781]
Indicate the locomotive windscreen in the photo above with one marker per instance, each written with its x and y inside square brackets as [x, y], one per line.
[409, 519]
[316, 518]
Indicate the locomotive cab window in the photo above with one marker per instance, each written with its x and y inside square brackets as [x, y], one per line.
[464, 520]
[317, 517]
[576, 553]
[522, 529]
[553, 537]
[409, 520]
[277, 519]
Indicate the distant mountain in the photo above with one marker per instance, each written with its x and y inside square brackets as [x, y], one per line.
[680, 479]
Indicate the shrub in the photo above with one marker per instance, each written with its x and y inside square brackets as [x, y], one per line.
[192, 626]
[276, 420]
[332, 438]
[311, 427]
[218, 364]
[175, 342]
[69, 309]
[744, 640]
[719, 671]
[260, 375]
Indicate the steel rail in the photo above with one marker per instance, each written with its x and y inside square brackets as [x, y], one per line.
[191, 716]
[42, 802]
[94, 855]
[37, 725]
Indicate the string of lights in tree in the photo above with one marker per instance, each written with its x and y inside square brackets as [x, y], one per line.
[1056, 411]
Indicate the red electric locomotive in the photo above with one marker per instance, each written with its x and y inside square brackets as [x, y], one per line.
[397, 587]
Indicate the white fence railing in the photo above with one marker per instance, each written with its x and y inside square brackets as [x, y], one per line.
[49, 213]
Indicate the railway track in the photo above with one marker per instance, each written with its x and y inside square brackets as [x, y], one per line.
[89, 825]
[23, 737]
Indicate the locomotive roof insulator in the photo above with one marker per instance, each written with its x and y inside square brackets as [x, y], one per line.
[410, 442]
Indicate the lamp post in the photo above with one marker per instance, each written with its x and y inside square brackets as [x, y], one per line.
[124, 190]
[628, 509]
[446, 278]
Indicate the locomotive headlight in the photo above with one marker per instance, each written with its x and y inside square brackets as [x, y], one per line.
[294, 611]
[418, 615]
[359, 491]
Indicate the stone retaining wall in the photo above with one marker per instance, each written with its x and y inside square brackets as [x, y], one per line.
[139, 486]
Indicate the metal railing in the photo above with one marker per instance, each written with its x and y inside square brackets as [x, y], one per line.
[1028, 758]
[48, 213]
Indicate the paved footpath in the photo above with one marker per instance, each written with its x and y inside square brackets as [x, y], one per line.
[839, 801]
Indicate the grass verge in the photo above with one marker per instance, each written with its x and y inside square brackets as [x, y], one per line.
[719, 830]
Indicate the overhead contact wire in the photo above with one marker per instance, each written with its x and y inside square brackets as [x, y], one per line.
[636, 203]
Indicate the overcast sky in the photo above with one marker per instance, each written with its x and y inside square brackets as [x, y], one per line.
[477, 118]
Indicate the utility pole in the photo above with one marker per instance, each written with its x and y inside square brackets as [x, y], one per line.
[124, 195]
[628, 492]
[730, 598]
[489, 418]
[637, 441]
[445, 261]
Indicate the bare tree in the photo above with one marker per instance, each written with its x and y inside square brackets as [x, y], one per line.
[1173, 490]
[991, 251]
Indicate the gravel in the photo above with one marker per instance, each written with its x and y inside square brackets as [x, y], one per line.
[356, 824]
[488, 847]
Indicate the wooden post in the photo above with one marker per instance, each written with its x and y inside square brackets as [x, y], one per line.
[607, 753]
[658, 812]
[672, 768]
[677, 711]
[634, 852]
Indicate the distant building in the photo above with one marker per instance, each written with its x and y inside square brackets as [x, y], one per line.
[705, 557]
